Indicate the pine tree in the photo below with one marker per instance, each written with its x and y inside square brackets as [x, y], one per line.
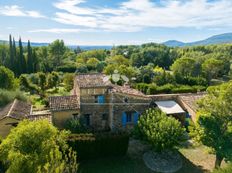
[29, 58]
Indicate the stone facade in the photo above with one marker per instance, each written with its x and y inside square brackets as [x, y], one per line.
[105, 106]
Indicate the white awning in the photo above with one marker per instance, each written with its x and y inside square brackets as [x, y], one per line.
[169, 107]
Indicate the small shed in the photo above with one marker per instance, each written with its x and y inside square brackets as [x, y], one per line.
[172, 108]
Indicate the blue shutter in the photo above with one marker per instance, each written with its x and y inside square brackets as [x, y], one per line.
[136, 117]
[101, 99]
[124, 119]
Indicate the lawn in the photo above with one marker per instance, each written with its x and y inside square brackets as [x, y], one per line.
[195, 160]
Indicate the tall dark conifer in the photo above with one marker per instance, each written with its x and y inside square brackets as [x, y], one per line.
[22, 61]
[11, 62]
[35, 62]
[30, 63]
[15, 61]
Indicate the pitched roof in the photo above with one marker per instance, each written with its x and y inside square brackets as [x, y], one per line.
[169, 107]
[92, 80]
[191, 100]
[127, 90]
[58, 103]
[16, 109]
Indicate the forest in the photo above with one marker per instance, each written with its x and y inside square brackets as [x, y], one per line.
[151, 68]
[35, 73]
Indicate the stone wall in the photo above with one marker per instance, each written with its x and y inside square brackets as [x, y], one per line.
[134, 104]
[60, 117]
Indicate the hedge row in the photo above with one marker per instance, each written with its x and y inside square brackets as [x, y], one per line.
[169, 88]
[90, 146]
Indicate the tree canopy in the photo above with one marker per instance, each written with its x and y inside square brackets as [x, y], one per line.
[214, 125]
[161, 131]
[37, 147]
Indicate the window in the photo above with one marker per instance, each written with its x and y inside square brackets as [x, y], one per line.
[105, 116]
[129, 117]
[87, 119]
[100, 99]
[125, 100]
[75, 116]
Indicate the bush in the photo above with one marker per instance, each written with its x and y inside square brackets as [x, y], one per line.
[191, 80]
[169, 88]
[228, 169]
[161, 131]
[165, 88]
[75, 126]
[184, 89]
[68, 79]
[37, 147]
[8, 96]
[90, 146]
[7, 78]
[142, 87]
[67, 68]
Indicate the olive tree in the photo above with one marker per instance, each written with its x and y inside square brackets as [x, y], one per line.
[37, 147]
[161, 131]
[214, 124]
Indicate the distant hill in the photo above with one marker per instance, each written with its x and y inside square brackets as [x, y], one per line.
[217, 39]
[174, 43]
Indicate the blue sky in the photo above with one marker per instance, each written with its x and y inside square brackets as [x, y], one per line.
[114, 22]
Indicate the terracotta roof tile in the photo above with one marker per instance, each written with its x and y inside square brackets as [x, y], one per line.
[191, 100]
[92, 80]
[17, 109]
[58, 103]
[127, 90]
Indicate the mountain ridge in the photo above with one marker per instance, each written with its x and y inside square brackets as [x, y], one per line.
[215, 39]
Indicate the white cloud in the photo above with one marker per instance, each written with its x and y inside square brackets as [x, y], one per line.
[61, 30]
[135, 15]
[15, 10]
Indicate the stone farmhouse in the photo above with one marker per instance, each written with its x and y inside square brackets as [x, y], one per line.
[101, 106]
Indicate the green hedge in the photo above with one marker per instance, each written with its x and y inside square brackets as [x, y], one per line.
[169, 88]
[90, 146]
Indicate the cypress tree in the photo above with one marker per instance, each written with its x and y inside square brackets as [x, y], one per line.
[11, 63]
[29, 58]
[22, 61]
[15, 62]
[35, 62]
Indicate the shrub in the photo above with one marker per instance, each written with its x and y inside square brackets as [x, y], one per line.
[75, 126]
[161, 131]
[184, 89]
[67, 68]
[89, 146]
[142, 87]
[37, 147]
[169, 88]
[228, 169]
[165, 89]
[68, 81]
[7, 78]
[8, 96]
[189, 80]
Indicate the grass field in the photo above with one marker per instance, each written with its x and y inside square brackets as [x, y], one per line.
[195, 160]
